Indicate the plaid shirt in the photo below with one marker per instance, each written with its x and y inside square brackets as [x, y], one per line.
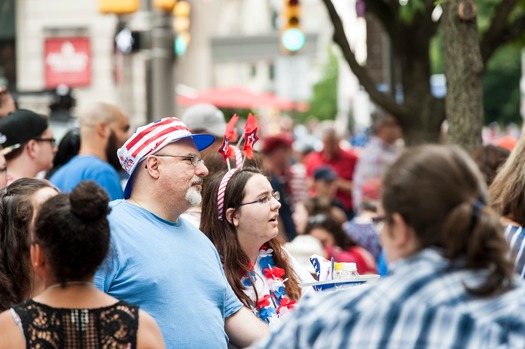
[422, 305]
[515, 236]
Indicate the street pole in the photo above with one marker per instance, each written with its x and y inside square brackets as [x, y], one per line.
[162, 58]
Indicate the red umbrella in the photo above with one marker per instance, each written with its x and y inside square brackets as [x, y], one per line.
[241, 98]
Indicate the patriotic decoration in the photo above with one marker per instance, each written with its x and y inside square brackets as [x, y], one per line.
[250, 135]
[273, 303]
[230, 135]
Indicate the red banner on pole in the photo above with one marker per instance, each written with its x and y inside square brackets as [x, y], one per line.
[67, 61]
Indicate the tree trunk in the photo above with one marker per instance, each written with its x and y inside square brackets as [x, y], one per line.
[463, 71]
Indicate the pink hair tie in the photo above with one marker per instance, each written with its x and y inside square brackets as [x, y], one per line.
[222, 191]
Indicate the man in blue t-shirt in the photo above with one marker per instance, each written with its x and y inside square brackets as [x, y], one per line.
[103, 129]
[160, 261]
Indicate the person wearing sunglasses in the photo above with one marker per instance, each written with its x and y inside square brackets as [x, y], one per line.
[28, 144]
[240, 216]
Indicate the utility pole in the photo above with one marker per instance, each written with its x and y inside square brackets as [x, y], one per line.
[162, 64]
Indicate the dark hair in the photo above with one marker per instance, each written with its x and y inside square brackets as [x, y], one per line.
[68, 147]
[489, 159]
[331, 225]
[73, 231]
[440, 193]
[507, 190]
[224, 235]
[16, 214]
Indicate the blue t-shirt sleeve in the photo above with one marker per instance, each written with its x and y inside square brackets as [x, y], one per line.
[106, 271]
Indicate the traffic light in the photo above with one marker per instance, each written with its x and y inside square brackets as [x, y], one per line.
[118, 7]
[292, 37]
[165, 5]
[181, 26]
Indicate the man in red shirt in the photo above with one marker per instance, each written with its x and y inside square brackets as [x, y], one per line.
[340, 160]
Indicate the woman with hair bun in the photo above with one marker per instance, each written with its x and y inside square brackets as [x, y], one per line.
[451, 285]
[71, 239]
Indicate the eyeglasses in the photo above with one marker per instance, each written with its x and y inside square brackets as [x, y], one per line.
[379, 223]
[193, 159]
[276, 195]
[50, 140]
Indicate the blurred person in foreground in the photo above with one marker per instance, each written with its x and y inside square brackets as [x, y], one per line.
[162, 262]
[103, 129]
[241, 219]
[71, 238]
[507, 192]
[452, 283]
[19, 204]
[29, 146]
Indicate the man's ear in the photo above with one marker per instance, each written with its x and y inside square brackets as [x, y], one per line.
[30, 148]
[152, 164]
[102, 130]
[231, 216]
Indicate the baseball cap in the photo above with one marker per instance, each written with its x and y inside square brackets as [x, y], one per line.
[20, 127]
[205, 116]
[151, 138]
[324, 173]
[271, 143]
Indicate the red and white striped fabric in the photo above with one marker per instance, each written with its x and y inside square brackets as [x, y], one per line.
[149, 139]
[222, 191]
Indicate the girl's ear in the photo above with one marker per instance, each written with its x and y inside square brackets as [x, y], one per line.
[38, 260]
[231, 217]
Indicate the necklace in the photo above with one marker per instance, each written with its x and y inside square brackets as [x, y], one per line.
[273, 303]
[70, 283]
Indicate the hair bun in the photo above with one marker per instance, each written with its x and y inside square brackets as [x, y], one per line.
[89, 201]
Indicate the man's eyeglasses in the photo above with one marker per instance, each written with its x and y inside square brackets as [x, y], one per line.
[276, 195]
[50, 140]
[193, 159]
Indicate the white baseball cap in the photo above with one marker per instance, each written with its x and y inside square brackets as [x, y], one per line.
[205, 116]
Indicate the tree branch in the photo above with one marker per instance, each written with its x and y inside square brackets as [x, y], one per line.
[385, 101]
[497, 30]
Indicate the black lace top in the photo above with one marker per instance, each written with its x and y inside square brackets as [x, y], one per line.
[45, 327]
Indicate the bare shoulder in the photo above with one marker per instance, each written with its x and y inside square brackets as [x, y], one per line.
[10, 334]
[148, 334]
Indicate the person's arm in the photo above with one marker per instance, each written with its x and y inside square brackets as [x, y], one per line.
[148, 334]
[11, 336]
[244, 328]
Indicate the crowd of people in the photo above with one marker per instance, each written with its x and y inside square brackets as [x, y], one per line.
[188, 250]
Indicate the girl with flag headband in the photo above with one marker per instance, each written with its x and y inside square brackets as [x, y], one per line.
[241, 219]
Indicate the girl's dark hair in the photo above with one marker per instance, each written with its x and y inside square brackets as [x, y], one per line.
[224, 235]
[16, 214]
[440, 193]
[489, 159]
[507, 190]
[73, 231]
[331, 225]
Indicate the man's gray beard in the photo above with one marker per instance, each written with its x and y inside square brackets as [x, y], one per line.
[193, 196]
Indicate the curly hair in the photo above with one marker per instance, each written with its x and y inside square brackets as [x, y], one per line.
[73, 231]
